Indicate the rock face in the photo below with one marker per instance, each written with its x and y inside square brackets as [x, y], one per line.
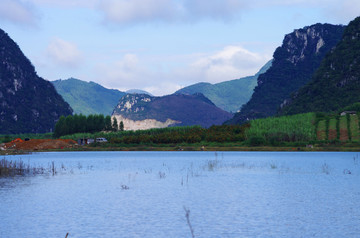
[336, 84]
[228, 95]
[293, 66]
[141, 111]
[28, 103]
[88, 97]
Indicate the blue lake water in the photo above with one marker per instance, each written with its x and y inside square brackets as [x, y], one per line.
[143, 194]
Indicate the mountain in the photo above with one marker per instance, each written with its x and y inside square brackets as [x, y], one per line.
[137, 91]
[228, 95]
[293, 66]
[336, 84]
[88, 97]
[28, 103]
[141, 111]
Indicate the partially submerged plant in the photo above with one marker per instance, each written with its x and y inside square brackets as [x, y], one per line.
[325, 168]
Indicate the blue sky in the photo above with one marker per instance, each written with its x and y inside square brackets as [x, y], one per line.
[159, 45]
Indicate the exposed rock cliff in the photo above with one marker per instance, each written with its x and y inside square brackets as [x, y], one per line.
[293, 66]
[336, 84]
[182, 110]
[28, 103]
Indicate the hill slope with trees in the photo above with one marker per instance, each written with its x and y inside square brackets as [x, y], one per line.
[28, 103]
[88, 97]
[293, 66]
[336, 84]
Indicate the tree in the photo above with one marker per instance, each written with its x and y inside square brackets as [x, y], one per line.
[108, 126]
[60, 127]
[115, 124]
[121, 126]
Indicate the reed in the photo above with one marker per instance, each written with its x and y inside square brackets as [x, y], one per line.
[10, 168]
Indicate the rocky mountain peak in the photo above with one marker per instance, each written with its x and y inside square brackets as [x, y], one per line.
[305, 42]
[133, 103]
[28, 103]
[295, 61]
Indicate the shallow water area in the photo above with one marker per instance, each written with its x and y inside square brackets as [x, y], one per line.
[143, 194]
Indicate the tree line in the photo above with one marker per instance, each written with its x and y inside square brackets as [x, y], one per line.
[191, 134]
[86, 124]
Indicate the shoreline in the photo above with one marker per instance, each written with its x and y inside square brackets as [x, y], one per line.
[190, 148]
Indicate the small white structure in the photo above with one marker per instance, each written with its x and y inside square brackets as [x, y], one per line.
[348, 112]
[101, 139]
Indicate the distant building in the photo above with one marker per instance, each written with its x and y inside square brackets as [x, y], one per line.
[348, 112]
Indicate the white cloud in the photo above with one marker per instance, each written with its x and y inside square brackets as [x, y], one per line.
[124, 74]
[140, 11]
[132, 11]
[67, 3]
[222, 9]
[64, 53]
[132, 71]
[18, 12]
[230, 63]
[136, 11]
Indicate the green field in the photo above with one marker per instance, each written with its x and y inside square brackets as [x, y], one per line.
[343, 128]
[298, 127]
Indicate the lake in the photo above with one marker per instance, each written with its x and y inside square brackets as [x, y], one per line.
[145, 194]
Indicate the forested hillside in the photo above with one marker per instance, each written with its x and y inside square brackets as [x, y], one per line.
[293, 66]
[336, 83]
[88, 97]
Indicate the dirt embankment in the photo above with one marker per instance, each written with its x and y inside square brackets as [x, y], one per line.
[40, 144]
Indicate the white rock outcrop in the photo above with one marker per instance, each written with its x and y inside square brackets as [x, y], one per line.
[144, 124]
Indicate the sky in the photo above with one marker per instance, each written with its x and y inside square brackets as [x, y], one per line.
[159, 45]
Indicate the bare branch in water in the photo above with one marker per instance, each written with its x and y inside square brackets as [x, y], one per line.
[187, 215]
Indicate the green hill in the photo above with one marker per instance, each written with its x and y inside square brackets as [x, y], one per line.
[336, 84]
[88, 97]
[228, 95]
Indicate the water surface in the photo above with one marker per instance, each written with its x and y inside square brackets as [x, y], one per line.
[143, 194]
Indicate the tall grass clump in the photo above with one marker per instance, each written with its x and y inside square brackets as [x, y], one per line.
[295, 128]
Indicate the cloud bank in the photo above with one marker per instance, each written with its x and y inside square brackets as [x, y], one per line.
[232, 62]
[124, 12]
[64, 53]
[18, 12]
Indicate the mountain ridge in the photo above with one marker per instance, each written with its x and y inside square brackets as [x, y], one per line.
[88, 97]
[28, 103]
[185, 110]
[336, 83]
[294, 63]
[228, 95]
